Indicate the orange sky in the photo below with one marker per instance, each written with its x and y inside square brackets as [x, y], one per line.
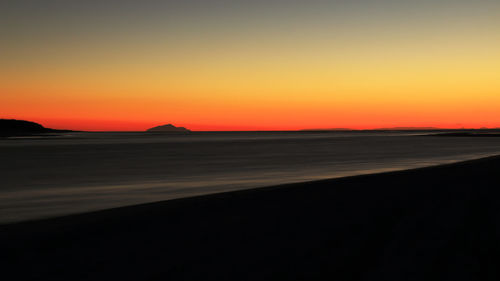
[306, 67]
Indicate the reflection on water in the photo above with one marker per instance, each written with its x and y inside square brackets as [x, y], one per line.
[90, 171]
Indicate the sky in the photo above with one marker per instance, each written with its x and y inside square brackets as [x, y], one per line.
[250, 65]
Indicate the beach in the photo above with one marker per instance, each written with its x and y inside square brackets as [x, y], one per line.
[434, 223]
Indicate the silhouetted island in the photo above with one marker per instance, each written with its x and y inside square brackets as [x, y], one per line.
[12, 127]
[167, 128]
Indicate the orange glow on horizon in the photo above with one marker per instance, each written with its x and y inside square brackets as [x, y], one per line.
[331, 66]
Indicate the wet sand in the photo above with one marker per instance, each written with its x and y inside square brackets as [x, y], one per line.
[436, 223]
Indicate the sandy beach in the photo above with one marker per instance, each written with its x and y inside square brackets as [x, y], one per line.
[436, 223]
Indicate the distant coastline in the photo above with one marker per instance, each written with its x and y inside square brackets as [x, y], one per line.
[403, 129]
[430, 131]
[17, 127]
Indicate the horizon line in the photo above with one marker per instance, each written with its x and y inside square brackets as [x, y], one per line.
[256, 129]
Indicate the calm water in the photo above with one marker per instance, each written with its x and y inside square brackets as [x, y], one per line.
[72, 173]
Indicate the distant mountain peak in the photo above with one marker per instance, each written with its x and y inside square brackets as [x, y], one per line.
[167, 128]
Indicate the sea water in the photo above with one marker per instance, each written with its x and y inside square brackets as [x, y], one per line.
[80, 172]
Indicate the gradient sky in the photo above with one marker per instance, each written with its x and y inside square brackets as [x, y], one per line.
[250, 65]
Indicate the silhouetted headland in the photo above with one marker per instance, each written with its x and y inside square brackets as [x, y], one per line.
[167, 128]
[436, 223]
[12, 127]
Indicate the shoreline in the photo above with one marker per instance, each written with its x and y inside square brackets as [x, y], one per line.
[394, 225]
[348, 174]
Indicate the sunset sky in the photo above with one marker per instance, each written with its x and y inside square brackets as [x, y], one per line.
[250, 65]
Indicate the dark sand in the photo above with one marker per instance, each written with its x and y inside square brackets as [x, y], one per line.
[438, 223]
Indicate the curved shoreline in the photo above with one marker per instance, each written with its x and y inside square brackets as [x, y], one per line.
[432, 222]
[22, 205]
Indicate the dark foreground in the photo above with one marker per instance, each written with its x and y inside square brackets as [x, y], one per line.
[439, 223]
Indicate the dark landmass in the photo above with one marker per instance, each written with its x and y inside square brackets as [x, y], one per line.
[427, 131]
[331, 129]
[381, 129]
[409, 129]
[12, 127]
[437, 223]
[168, 128]
[467, 134]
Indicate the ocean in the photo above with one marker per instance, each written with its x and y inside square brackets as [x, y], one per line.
[79, 172]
